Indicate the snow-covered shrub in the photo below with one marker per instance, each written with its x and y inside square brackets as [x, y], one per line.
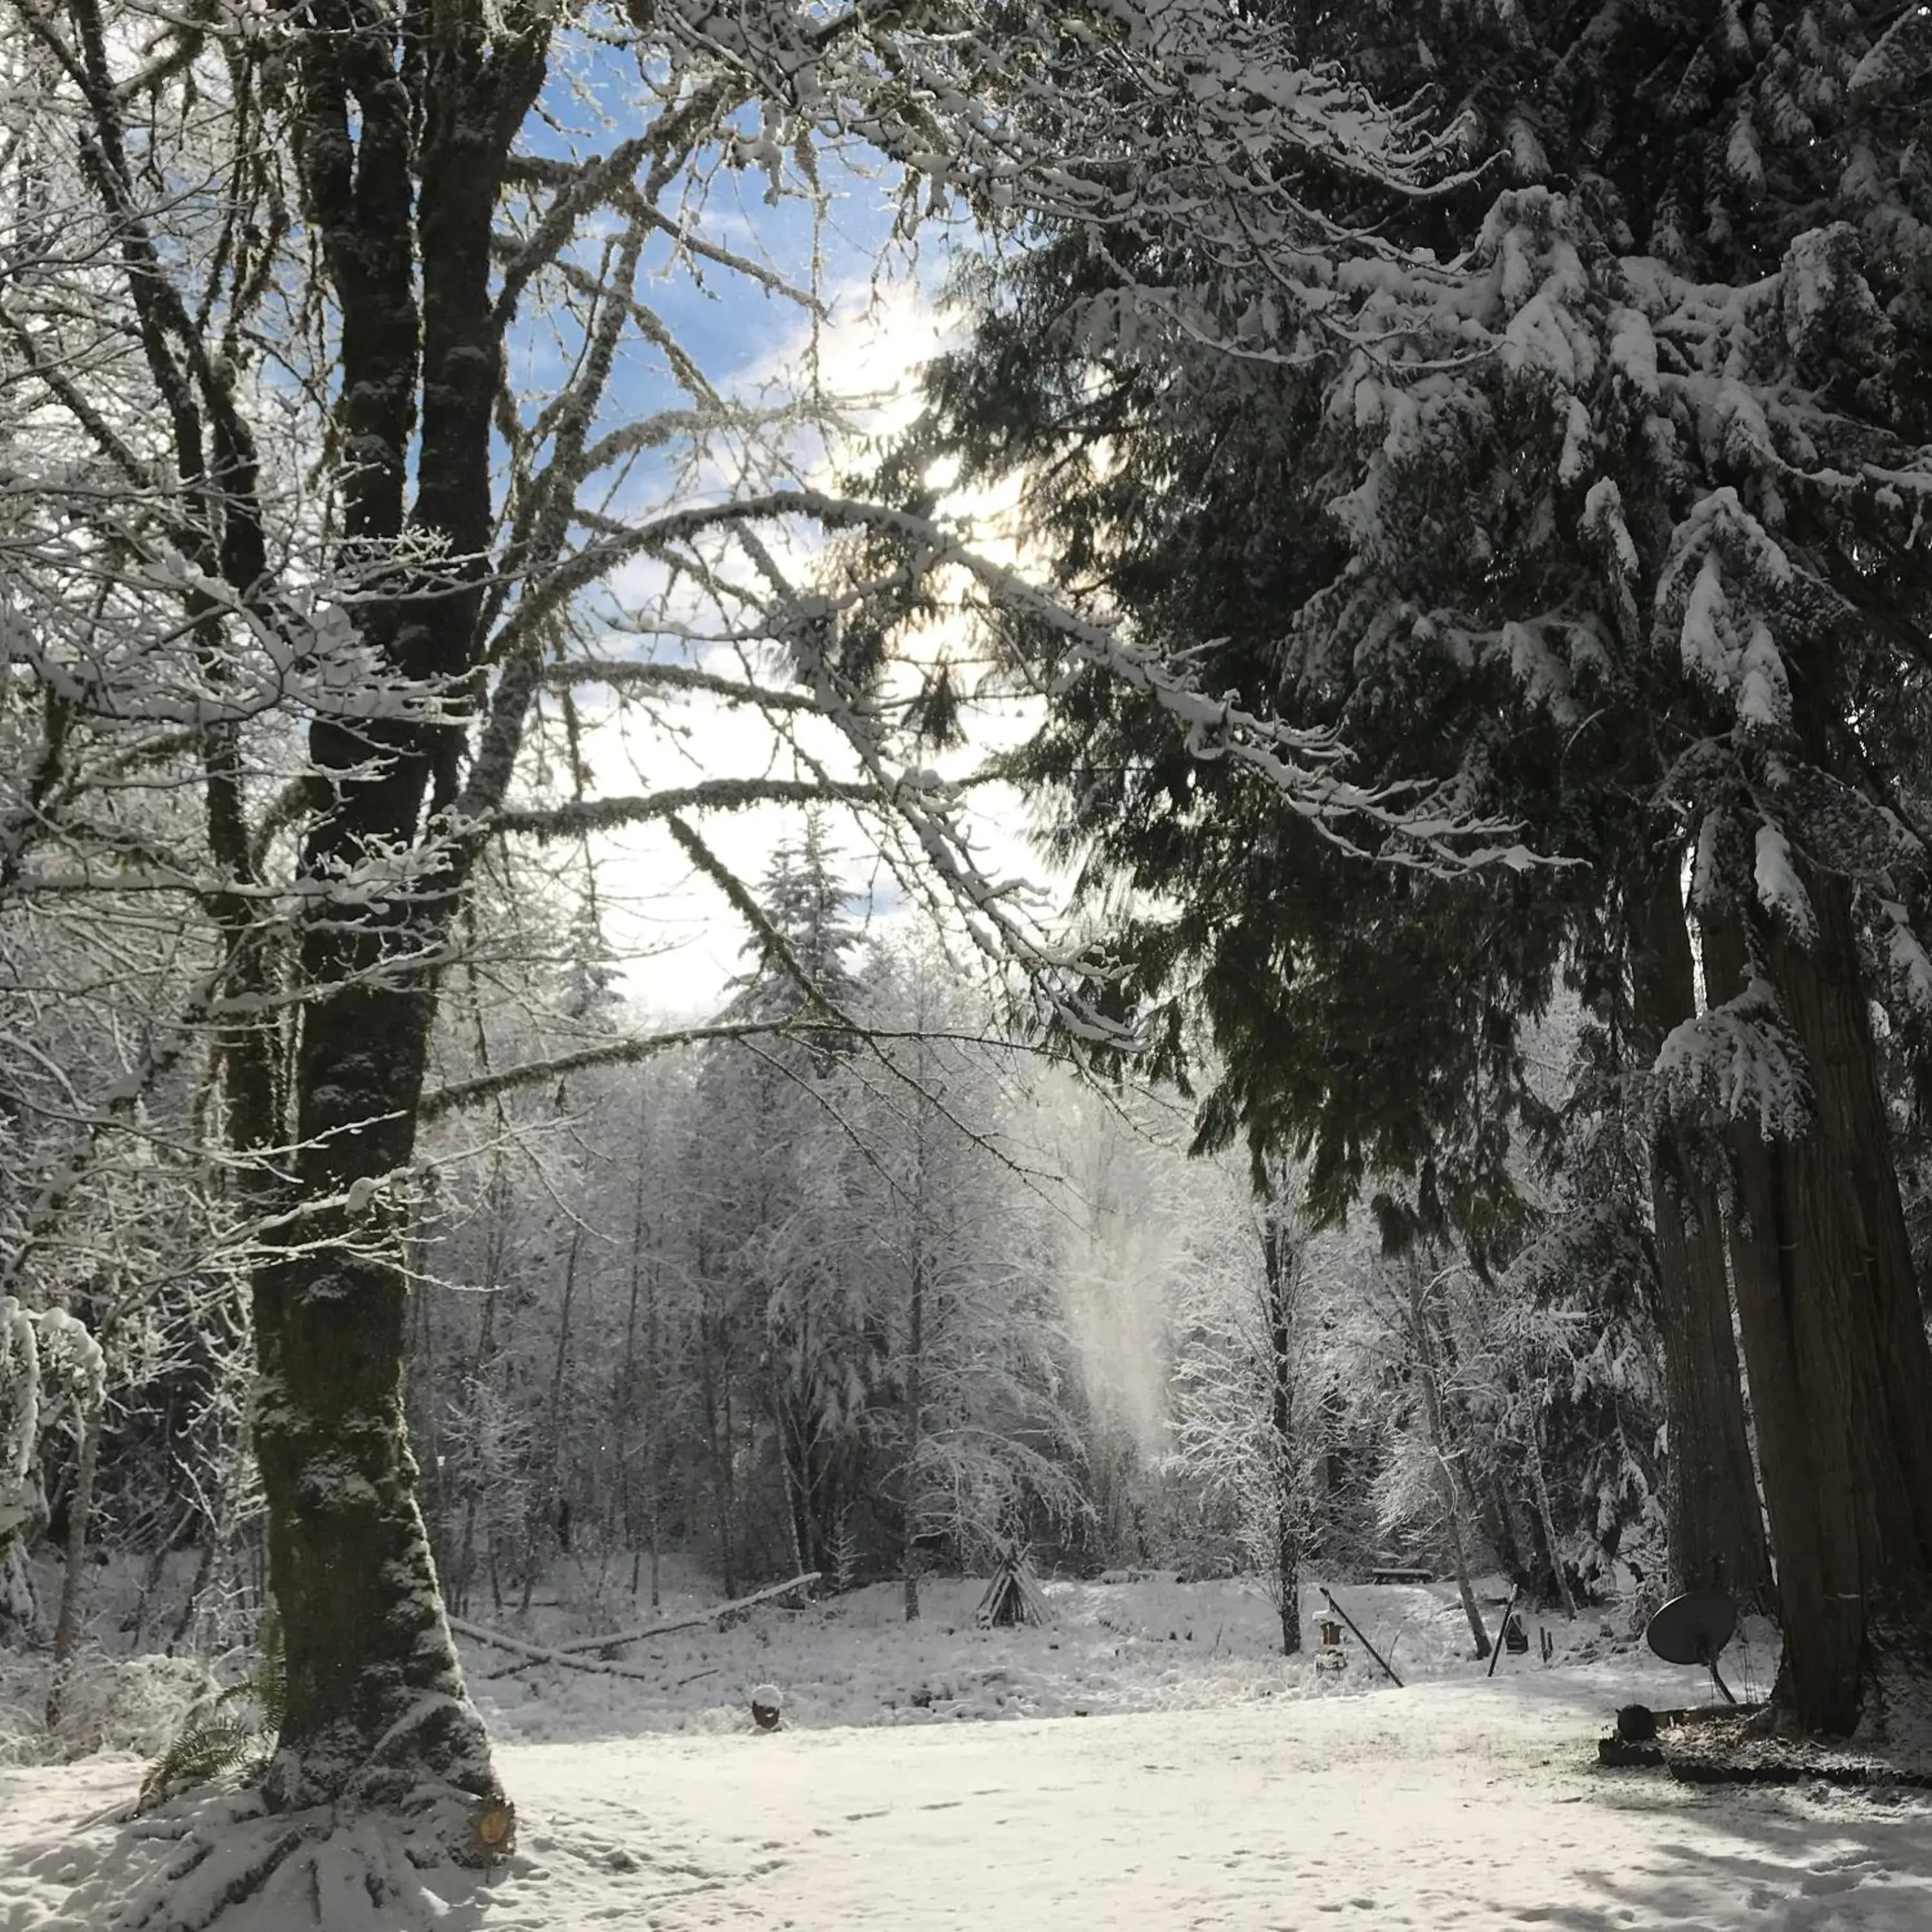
[108, 1704]
[47, 1361]
[22, 1505]
[231, 1732]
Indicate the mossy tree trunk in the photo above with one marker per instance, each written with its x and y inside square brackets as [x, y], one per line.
[403, 129]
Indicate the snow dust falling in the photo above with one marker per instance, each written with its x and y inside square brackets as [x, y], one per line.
[1135, 1211]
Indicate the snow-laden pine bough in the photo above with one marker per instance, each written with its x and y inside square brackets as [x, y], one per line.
[1709, 498]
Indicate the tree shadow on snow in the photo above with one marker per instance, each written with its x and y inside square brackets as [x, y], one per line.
[1813, 1856]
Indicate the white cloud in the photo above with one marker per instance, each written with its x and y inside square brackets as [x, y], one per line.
[679, 943]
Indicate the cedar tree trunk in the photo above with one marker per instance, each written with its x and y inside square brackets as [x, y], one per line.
[1716, 1523]
[915, 1412]
[1422, 1332]
[1840, 1375]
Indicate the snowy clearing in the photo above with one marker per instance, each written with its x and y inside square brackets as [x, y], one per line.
[1152, 1643]
[1206, 1790]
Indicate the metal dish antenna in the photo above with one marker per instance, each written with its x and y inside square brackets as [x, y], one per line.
[1693, 1628]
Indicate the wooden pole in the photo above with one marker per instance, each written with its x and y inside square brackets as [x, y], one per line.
[1509, 1609]
[533, 1654]
[1328, 1596]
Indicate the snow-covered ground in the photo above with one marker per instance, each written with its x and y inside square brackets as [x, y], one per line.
[1135, 1641]
[1148, 1644]
[1208, 1787]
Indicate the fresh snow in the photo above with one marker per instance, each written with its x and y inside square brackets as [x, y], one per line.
[1473, 1804]
[1209, 1785]
[1779, 889]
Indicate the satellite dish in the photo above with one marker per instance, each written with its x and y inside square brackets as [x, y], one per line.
[1693, 1628]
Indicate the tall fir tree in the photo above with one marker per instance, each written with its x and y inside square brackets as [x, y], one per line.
[789, 1291]
[1604, 512]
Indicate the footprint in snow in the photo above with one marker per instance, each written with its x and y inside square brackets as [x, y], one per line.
[1821, 1884]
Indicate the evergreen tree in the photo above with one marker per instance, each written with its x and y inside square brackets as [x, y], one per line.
[1611, 529]
[791, 1294]
[802, 960]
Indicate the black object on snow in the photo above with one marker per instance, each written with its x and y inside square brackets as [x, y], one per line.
[1636, 1723]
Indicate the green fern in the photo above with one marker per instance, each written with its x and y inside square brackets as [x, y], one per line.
[218, 1743]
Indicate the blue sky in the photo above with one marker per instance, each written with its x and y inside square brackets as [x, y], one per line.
[682, 943]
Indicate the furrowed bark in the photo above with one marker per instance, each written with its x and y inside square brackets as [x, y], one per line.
[1840, 1371]
[1421, 1329]
[915, 1414]
[1546, 1517]
[1716, 1525]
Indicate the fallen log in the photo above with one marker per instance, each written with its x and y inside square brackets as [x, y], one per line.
[572, 1656]
[532, 1653]
[696, 1617]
